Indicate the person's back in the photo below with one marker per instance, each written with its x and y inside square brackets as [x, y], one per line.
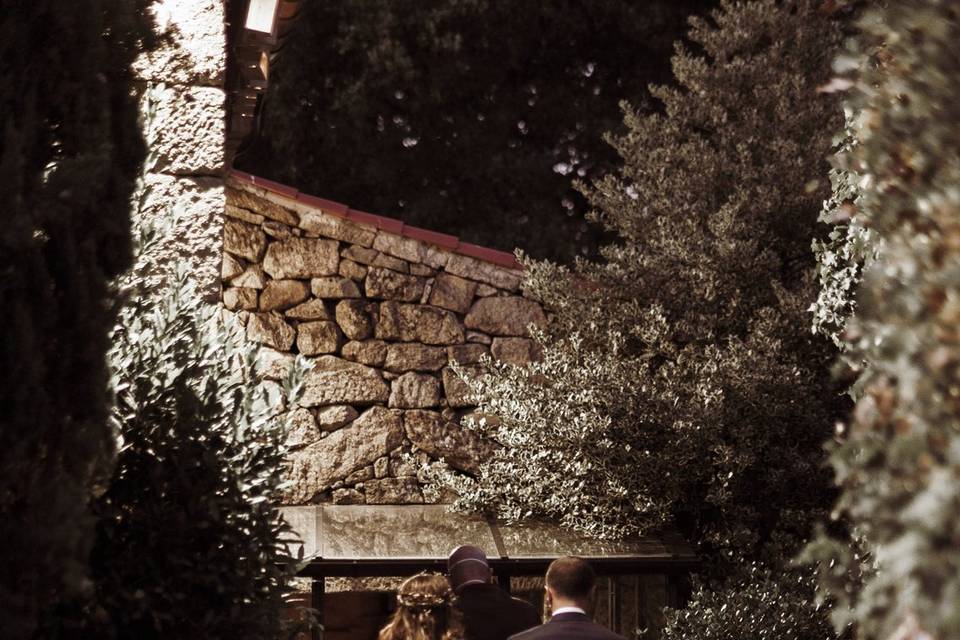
[424, 611]
[568, 626]
[570, 583]
[489, 613]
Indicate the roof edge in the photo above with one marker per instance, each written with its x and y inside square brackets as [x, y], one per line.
[383, 224]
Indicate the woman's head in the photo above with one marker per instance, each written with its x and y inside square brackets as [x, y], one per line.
[424, 611]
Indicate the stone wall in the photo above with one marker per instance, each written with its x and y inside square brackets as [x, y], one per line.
[382, 315]
[181, 84]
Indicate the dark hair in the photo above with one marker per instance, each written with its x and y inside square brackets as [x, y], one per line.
[571, 577]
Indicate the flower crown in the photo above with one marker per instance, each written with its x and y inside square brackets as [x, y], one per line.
[423, 600]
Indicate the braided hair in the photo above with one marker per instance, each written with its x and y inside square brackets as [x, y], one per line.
[424, 611]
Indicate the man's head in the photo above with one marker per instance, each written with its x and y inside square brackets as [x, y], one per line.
[570, 582]
[467, 564]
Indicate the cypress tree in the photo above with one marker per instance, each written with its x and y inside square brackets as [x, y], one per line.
[70, 152]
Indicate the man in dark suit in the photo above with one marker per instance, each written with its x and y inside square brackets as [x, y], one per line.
[489, 613]
[570, 583]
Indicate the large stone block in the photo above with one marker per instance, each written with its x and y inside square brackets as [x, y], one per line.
[309, 310]
[466, 353]
[360, 255]
[413, 356]
[194, 50]
[316, 223]
[278, 230]
[283, 294]
[252, 278]
[461, 448]
[371, 436]
[476, 337]
[504, 315]
[355, 318]
[188, 129]
[456, 391]
[518, 351]
[360, 475]
[244, 240]
[336, 416]
[302, 428]
[393, 491]
[391, 285]
[398, 246]
[347, 496]
[243, 215]
[418, 323]
[500, 277]
[389, 262]
[352, 270]
[301, 258]
[318, 337]
[415, 391]
[452, 292]
[271, 330]
[336, 381]
[334, 288]
[230, 267]
[248, 201]
[435, 257]
[237, 298]
[369, 352]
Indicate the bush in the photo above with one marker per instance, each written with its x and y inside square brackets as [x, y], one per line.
[680, 383]
[898, 460]
[189, 540]
[760, 603]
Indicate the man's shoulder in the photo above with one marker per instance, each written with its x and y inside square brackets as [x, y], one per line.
[520, 603]
[530, 634]
[564, 629]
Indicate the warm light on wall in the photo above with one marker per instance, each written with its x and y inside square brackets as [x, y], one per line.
[261, 15]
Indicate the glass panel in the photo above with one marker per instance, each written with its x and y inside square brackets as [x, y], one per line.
[303, 520]
[400, 532]
[539, 540]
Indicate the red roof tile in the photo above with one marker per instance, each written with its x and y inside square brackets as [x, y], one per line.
[276, 187]
[488, 255]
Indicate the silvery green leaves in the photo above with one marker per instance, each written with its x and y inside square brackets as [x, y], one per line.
[680, 383]
[898, 460]
[198, 475]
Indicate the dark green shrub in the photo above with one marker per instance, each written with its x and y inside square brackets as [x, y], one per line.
[189, 540]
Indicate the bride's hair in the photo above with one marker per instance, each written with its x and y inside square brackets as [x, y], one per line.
[424, 611]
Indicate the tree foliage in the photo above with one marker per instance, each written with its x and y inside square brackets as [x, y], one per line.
[467, 116]
[759, 604]
[898, 462]
[679, 378]
[70, 152]
[849, 246]
[680, 384]
[190, 541]
[197, 480]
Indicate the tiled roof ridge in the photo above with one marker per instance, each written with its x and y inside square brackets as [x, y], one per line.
[383, 223]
